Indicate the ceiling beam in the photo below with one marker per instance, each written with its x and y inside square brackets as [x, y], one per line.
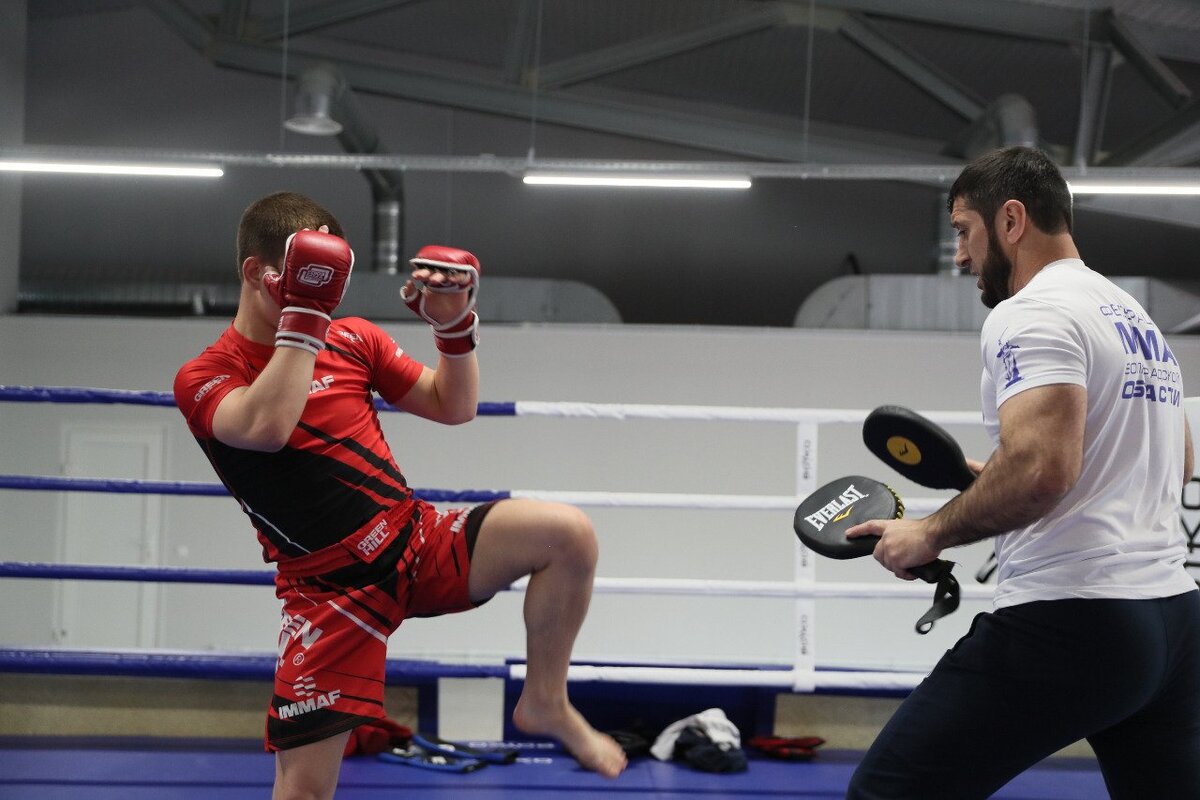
[912, 67]
[521, 41]
[1091, 104]
[312, 18]
[190, 27]
[714, 129]
[1025, 19]
[607, 60]
[1008, 18]
[232, 23]
[1175, 143]
[639, 118]
[1160, 76]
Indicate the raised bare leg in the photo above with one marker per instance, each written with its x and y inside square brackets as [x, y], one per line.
[555, 545]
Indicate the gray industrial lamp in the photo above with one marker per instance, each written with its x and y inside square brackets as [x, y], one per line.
[317, 92]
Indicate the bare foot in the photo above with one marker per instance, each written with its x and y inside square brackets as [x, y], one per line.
[591, 748]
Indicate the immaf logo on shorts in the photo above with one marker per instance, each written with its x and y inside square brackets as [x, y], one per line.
[314, 275]
[311, 702]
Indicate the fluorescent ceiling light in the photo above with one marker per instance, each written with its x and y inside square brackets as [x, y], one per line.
[1083, 187]
[639, 181]
[80, 168]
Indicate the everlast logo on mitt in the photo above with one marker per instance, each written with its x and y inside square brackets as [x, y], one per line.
[834, 508]
[314, 275]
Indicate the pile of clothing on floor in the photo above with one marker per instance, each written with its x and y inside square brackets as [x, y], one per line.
[707, 741]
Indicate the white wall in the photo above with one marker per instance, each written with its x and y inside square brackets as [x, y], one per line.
[695, 366]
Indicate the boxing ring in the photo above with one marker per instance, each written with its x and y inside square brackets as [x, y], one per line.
[797, 599]
[802, 676]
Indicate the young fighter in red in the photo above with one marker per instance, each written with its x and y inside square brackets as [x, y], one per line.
[282, 406]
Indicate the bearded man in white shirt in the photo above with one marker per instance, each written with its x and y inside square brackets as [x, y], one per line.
[1096, 628]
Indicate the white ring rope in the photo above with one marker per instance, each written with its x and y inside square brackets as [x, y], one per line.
[741, 502]
[910, 590]
[625, 411]
[792, 680]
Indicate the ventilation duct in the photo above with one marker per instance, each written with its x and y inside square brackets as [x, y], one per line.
[951, 303]
[1007, 122]
[325, 105]
[127, 298]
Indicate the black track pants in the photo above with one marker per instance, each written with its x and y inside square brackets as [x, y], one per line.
[1031, 679]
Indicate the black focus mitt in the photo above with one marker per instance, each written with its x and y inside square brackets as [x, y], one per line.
[917, 448]
[822, 519]
[922, 451]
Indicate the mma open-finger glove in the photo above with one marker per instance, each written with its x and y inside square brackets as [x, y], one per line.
[459, 335]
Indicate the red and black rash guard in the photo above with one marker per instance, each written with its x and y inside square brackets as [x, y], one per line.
[336, 471]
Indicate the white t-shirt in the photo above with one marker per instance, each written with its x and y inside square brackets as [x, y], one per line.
[1116, 533]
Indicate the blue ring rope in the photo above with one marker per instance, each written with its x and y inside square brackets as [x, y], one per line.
[48, 483]
[234, 666]
[74, 394]
[69, 394]
[209, 665]
[109, 572]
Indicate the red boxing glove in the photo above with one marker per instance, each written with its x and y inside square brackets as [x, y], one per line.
[458, 336]
[316, 272]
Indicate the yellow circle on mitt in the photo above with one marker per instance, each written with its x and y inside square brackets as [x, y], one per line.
[904, 450]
